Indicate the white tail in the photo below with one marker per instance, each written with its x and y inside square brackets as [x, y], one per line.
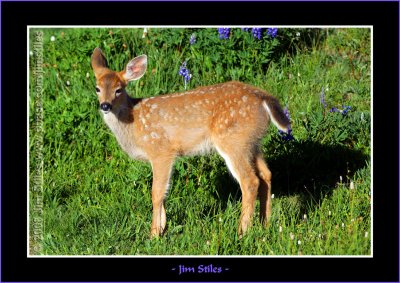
[230, 118]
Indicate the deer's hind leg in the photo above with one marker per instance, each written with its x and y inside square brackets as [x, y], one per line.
[265, 188]
[240, 163]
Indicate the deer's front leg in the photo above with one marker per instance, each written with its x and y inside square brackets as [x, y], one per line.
[161, 174]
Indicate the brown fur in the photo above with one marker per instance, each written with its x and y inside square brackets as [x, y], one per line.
[230, 118]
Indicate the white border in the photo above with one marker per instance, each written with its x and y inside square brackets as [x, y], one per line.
[201, 256]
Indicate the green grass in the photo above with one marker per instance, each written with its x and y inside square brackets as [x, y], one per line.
[97, 201]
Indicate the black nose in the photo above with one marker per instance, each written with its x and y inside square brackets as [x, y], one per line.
[105, 106]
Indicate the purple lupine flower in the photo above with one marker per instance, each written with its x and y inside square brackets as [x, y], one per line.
[272, 32]
[256, 32]
[344, 112]
[322, 97]
[184, 72]
[286, 136]
[224, 33]
[192, 39]
[286, 112]
[334, 109]
[245, 29]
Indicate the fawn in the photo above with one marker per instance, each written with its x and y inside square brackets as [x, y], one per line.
[230, 118]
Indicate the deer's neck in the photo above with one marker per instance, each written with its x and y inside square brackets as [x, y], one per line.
[121, 123]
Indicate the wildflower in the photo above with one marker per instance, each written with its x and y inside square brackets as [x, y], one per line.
[273, 196]
[184, 72]
[272, 32]
[329, 213]
[340, 178]
[280, 229]
[297, 34]
[87, 75]
[30, 53]
[299, 242]
[322, 97]
[208, 243]
[291, 236]
[224, 33]
[351, 185]
[342, 225]
[52, 38]
[245, 29]
[334, 109]
[286, 136]
[256, 32]
[68, 83]
[366, 235]
[305, 216]
[345, 110]
[220, 219]
[144, 33]
[192, 39]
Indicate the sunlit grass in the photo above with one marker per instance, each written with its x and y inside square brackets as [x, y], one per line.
[98, 201]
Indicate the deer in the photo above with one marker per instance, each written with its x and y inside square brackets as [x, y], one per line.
[229, 118]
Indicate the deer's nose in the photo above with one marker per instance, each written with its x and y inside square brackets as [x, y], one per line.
[105, 106]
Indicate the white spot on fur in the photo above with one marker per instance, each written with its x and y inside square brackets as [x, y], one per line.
[154, 106]
[154, 135]
[244, 98]
[161, 112]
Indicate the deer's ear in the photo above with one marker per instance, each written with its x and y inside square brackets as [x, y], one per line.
[99, 62]
[135, 69]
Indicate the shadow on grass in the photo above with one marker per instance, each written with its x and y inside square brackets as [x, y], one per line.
[306, 168]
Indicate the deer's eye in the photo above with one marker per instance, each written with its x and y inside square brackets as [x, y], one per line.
[97, 89]
[118, 91]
